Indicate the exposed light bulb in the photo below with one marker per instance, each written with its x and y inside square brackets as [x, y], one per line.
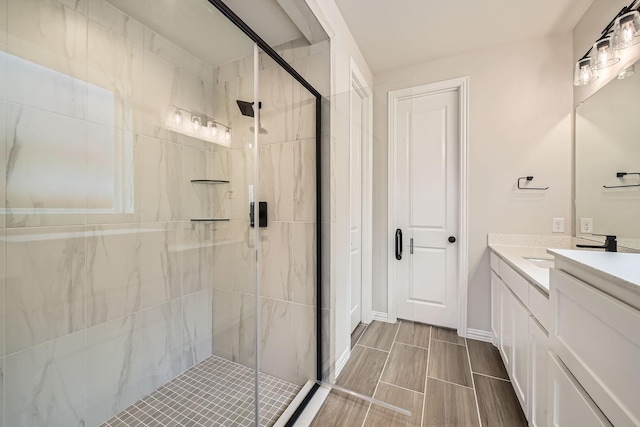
[195, 121]
[227, 135]
[177, 117]
[626, 30]
[213, 129]
[585, 72]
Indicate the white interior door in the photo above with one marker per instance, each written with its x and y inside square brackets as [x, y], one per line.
[426, 198]
[356, 209]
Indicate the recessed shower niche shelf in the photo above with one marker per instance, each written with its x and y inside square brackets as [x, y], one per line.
[210, 219]
[209, 181]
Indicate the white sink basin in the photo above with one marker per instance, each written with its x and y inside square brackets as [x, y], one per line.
[541, 262]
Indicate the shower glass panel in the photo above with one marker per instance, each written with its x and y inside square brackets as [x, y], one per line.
[287, 262]
[128, 292]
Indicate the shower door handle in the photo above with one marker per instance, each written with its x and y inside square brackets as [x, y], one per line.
[398, 244]
[262, 214]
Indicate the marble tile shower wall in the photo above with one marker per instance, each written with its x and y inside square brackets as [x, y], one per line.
[106, 288]
[287, 183]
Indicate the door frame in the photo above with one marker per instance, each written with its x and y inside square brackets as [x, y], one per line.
[462, 85]
[358, 86]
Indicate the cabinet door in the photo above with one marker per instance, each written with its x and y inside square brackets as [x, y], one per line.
[538, 374]
[495, 308]
[520, 356]
[569, 405]
[506, 326]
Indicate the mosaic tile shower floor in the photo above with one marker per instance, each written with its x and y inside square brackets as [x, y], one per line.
[216, 392]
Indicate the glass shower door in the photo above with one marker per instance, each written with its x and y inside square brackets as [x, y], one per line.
[129, 287]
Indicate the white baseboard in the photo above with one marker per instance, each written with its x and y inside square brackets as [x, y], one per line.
[379, 316]
[480, 335]
[342, 360]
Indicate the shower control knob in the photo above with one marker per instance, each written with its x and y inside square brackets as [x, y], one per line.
[452, 239]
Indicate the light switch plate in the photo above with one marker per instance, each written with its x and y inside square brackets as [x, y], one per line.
[558, 225]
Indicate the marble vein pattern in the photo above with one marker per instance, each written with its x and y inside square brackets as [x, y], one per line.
[304, 343]
[276, 346]
[46, 168]
[114, 283]
[161, 266]
[198, 333]
[234, 326]
[114, 358]
[161, 180]
[276, 180]
[197, 256]
[277, 261]
[115, 75]
[46, 384]
[47, 47]
[304, 178]
[162, 343]
[114, 181]
[276, 93]
[102, 12]
[303, 283]
[45, 289]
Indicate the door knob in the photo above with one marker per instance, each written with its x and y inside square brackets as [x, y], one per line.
[452, 239]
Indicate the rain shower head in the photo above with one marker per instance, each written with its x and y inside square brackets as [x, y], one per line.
[246, 108]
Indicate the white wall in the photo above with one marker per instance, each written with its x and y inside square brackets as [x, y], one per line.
[520, 124]
[343, 50]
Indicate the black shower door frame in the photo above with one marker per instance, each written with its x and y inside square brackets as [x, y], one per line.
[238, 22]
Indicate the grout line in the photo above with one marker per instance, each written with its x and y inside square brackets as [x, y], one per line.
[372, 348]
[473, 382]
[397, 386]
[411, 345]
[490, 376]
[449, 382]
[366, 326]
[426, 379]
[448, 342]
[382, 372]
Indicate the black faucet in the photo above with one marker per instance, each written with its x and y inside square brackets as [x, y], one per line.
[610, 245]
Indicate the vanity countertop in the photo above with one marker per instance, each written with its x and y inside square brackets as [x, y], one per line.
[515, 257]
[622, 269]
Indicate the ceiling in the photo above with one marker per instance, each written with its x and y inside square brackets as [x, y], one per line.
[395, 34]
[197, 27]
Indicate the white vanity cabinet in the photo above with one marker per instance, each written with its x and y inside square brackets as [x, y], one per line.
[597, 337]
[520, 339]
[539, 374]
[568, 403]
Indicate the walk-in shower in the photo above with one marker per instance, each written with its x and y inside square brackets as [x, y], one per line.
[133, 289]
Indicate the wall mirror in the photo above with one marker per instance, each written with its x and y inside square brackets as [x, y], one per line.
[607, 162]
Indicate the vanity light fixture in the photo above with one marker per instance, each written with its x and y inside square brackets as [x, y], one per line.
[177, 117]
[606, 56]
[585, 72]
[622, 32]
[626, 29]
[197, 125]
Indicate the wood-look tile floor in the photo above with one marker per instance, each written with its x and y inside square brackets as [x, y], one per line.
[441, 378]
